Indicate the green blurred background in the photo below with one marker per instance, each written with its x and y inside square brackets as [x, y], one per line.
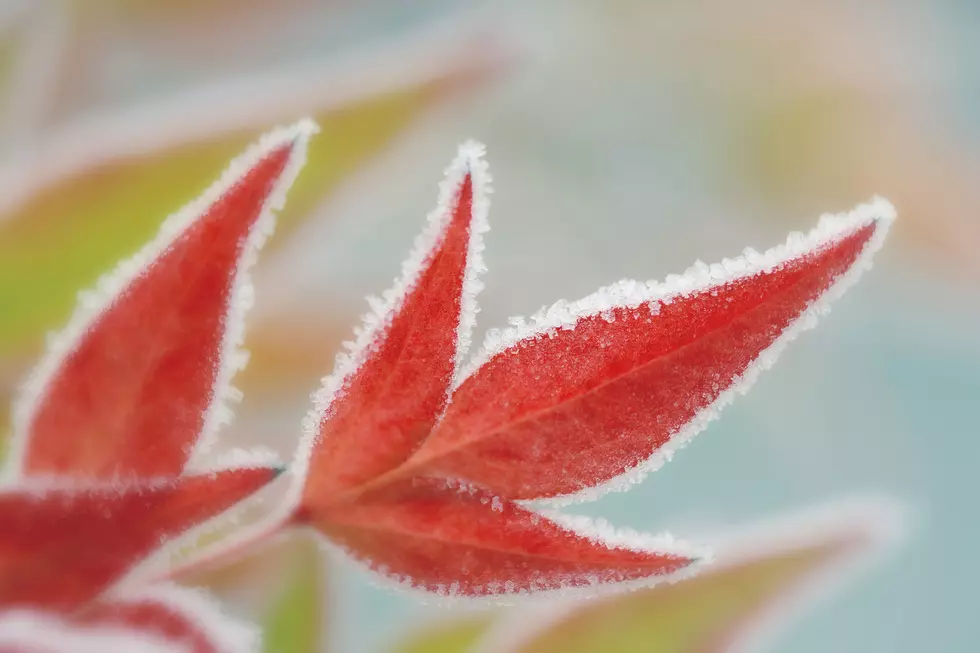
[626, 139]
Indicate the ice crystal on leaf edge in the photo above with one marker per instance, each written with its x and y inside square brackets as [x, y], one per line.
[468, 165]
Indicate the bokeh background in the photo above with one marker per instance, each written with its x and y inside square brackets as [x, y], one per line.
[626, 139]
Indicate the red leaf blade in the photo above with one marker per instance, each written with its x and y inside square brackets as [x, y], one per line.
[464, 541]
[140, 375]
[595, 389]
[387, 393]
[60, 547]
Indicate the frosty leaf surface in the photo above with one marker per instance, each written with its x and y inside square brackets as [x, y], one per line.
[140, 376]
[390, 388]
[62, 545]
[415, 463]
[460, 540]
[590, 391]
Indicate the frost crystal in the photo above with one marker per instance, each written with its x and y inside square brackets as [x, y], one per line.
[469, 161]
[108, 288]
[632, 294]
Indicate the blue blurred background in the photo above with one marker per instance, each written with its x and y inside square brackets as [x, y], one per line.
[626, 139]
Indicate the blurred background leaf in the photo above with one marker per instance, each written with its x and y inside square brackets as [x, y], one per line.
[458, 635]
[282, 586]
[698, 615]
[47, 253]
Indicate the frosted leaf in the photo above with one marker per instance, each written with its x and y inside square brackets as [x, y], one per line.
[626, 298]
[117, 525]
[255, 457]
[108, 289]
[486, 549]
[633, 293]
[469, 162]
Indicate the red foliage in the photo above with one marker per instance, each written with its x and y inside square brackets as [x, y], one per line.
[108, 423]
[555, 415]
[415, 468]
[61, 547]
[131, 396]
[391, 401]
[413, 463]
[466, 541]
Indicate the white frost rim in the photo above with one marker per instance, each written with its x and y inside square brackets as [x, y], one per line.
[597, 531]
[631, 294]
[94, 302]
[469, 160]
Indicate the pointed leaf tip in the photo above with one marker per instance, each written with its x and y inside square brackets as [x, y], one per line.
[472, 152]
[606, 389]
[388, 390]
[138, 380]
[457, 540]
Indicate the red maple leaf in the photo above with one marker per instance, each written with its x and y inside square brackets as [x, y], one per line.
[413, 461]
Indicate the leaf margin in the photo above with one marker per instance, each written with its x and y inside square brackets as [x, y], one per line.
[598, 532]
[699, 277]
[91, 303]
[468, 162]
